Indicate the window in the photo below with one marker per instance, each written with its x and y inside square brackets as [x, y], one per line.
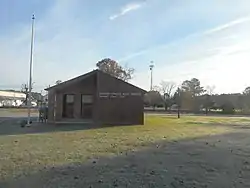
[87, 99]
[87, 106]
[68, 105]
[69, 98]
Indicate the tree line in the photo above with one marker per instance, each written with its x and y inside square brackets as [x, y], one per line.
[190, 96]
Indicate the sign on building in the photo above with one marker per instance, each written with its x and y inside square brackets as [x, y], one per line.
[117, 94]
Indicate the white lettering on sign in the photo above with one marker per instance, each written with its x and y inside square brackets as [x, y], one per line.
[113, 95]
[117, 95]
[103, 95]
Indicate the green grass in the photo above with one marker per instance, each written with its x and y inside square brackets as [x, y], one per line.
[27, 153]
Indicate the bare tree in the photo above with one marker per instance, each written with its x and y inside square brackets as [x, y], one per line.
[210, 90]
[167, 87]
[246, 91]
[25, 90]
[113, 68]
[167, 90]
[208, 99]
[156, 88]
[58, 82]
[128, 73]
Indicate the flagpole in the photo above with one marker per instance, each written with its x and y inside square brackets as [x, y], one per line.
[30, 75]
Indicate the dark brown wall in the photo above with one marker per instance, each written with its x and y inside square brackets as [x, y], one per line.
[51, 104]
[87, 86]
[127, 110]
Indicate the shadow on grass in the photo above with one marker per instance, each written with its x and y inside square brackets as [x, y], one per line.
[13, 127]
[235, 124]
[220, 161]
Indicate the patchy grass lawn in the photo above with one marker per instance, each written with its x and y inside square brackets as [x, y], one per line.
[24, 154]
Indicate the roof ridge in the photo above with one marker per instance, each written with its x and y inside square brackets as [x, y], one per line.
[83, 76]
[70, 80]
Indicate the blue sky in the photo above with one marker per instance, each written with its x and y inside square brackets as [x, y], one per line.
[185, 39]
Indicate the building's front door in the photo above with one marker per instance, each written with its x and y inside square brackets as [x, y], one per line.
[68, 105]
[87, 106]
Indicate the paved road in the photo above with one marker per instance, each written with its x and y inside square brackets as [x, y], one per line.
[6, 116]
[209, 115]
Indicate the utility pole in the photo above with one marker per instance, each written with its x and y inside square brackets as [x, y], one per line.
[151, 66]
[31, 67]
[179, 101]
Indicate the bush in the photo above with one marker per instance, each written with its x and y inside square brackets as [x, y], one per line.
[228, 108]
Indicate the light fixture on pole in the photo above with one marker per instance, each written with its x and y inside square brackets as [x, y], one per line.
[31, 67]
[151, 66]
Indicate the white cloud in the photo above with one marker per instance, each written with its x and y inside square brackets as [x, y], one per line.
[126, 9]
[61, 50]
[219, 58]
[228, 25]
[190, 37]
[68, 43]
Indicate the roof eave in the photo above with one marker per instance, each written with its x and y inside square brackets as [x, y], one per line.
[70, 81]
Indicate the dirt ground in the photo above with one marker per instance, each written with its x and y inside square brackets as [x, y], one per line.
[221, 161]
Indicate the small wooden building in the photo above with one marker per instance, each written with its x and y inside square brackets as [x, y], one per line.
[97, 97]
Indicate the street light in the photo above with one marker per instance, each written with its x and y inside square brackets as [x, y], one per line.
[151, 66]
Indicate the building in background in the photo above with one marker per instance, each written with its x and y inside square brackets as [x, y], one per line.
[11, 98]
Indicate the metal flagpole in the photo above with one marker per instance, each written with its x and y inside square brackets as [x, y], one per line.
[31, 62]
